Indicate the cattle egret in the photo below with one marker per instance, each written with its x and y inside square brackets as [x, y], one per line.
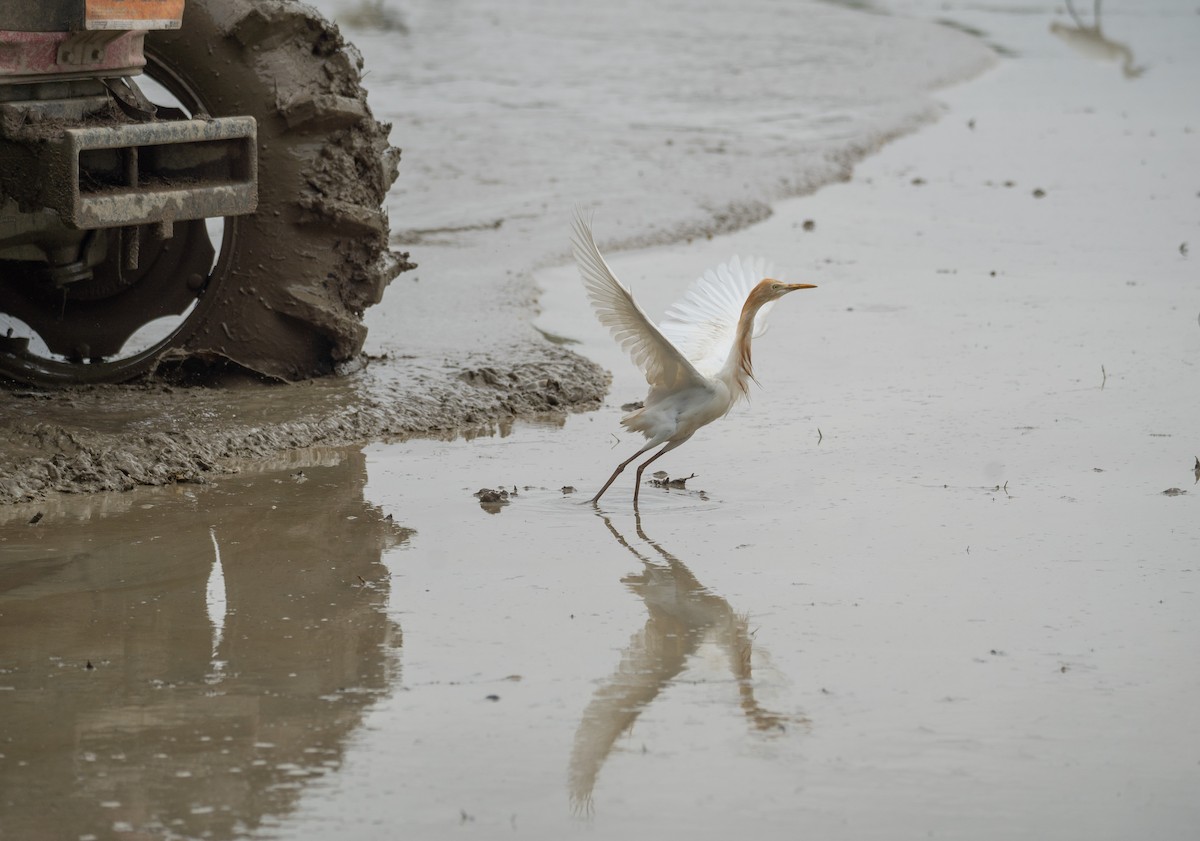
[697, 361]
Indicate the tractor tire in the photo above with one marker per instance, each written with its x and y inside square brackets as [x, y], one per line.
[290, 295]
[283, 291]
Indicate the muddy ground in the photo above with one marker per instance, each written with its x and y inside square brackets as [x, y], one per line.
[508, 121]
[105, 438]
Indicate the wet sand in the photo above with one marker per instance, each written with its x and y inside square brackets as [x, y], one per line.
[927, 583]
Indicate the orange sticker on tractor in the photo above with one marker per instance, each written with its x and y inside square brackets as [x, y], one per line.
[133, 14]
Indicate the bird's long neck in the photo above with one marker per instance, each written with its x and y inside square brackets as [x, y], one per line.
[738, 371]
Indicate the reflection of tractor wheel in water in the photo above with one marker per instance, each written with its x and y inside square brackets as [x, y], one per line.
[288, 285]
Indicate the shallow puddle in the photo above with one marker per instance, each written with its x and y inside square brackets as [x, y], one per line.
[184, 662]
[350, 643]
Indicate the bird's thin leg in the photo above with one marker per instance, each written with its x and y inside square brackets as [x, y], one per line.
[617, 472]
[637, 485]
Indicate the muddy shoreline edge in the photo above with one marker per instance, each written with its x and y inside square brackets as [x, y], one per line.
[50, 447]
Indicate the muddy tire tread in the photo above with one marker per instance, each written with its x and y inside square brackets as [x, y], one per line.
[316, 253]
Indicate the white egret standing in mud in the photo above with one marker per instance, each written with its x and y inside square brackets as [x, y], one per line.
[697, 361]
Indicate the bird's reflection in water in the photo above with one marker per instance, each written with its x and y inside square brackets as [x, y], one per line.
[1092, 42]
[683, 615]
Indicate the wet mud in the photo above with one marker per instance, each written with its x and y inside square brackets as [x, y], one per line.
[106, 438]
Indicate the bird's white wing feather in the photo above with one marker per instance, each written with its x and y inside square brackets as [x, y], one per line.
[662, 362]
[703, 322]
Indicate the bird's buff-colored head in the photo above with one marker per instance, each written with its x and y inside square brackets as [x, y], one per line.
[770, 289]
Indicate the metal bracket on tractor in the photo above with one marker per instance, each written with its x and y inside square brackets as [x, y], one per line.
[65, 148]
[111, 176]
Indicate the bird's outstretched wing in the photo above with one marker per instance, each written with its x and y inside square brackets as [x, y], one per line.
[703, 322]
[662, 362]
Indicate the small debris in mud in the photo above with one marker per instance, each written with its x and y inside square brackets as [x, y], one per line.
[662, 480]
[820, 437]
[568, 489]
[1097, 469]
[917, 182]
[1010, 183]
[995, 652]
[1174, 492]
[1039, 193]
[809, 225]
[1183, 249]
[1062, 669]
[89, 666]
[1198, 469]
[299, 476]
[971, 124]
[493, 698]
[36, 518]
[491, 500]
[629, 407]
